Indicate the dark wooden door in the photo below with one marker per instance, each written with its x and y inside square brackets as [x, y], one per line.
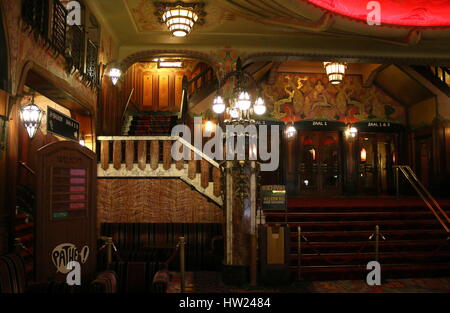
[318, 163]
[66, 211]
[376, 157]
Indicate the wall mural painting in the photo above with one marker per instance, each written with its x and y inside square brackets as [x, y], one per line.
[298, 97]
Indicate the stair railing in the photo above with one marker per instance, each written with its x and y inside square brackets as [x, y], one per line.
[424, 194]
[300, 236]
[377, 235]
[202, 80]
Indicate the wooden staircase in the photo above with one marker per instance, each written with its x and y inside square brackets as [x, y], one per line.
[151, 157]
[335, 240]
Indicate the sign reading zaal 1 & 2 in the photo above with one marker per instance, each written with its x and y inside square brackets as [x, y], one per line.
[273, 197]
[62, 125]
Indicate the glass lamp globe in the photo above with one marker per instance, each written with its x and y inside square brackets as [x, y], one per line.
[218, 105]
[115, 74]
[31, 116]
[291, 131]
[244, 103]
[259, 108]
[234, 113]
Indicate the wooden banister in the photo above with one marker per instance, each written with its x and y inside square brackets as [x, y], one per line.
[141, 156]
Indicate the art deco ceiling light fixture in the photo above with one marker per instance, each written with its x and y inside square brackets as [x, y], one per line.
[180, 17]
[238, 104]
[335, 71]
[31, 116]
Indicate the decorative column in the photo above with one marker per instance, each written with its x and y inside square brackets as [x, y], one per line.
[240, 222]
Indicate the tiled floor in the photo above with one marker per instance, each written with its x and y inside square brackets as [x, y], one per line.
[210, 282]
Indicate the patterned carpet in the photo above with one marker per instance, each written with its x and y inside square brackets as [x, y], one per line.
[210, 282]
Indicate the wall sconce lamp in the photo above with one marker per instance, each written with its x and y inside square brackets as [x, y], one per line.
[115, 73]
[351, 131]
[31, 116]
[363, 155]
[290, 131]
[112, 69]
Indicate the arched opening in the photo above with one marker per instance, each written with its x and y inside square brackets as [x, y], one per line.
[157, 87]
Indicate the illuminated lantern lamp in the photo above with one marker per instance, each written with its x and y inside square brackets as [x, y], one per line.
[363, 155]
[335, 71]
[31, 116]
[115, 75]
[351, 132]
[180, 20]
[290, 131]
[313, 153]
[210, 126]
[259, 108]
[219, 105]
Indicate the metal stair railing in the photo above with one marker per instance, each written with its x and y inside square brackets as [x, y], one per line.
[424, 194]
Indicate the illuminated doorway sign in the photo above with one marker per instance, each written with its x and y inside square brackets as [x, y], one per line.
[379, 126]
[319, 125]
[62, 125]
[274, 197]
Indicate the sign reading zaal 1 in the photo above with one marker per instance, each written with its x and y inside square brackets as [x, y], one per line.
[273, 197]
[62, 125]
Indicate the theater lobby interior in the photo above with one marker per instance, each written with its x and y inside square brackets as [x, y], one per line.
[224, 146]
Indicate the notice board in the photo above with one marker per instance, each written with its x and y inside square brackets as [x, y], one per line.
[66, 211]
[273, 197]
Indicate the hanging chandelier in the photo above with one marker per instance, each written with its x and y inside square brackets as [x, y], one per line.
[335, 71]
[180, 17]
[239, 105]
[31, 116]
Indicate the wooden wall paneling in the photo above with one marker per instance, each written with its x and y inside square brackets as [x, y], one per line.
[142, 154]
[104, 154]
[171, 92]
[129, 154]
[133, 83]
[155, 92]
[192, 167]
[147, 100]
[154, 154]
[178, 90]
[117, 154]
[163, 92]
[217, 180]
[167, 154]
[204, 167]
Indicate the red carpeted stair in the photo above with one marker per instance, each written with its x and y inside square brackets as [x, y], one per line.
[155, 124]
[338, 230]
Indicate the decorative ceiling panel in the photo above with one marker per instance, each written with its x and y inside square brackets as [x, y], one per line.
[394, 12]
[143, 15]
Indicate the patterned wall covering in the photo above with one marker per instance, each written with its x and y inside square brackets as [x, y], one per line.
[297, 97]
[153, 201]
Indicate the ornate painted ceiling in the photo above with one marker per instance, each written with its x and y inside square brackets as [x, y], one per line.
[334, 27]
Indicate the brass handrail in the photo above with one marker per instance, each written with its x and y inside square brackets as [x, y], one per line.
[417, 185]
